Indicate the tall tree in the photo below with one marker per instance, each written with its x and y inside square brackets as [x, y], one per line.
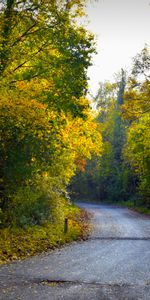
[137, 112]
[123, 170]
[47, 127]
[106, 178]
[42, 45]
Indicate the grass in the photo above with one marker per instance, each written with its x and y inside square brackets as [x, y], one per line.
[143, 210]
[132, 205]
[18, 243]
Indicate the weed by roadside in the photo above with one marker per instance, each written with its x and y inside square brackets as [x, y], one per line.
[18, 243]
[132, 205]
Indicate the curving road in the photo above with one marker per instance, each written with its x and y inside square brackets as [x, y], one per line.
[114, 264]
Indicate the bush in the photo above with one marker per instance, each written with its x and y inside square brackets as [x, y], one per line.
[19, 242]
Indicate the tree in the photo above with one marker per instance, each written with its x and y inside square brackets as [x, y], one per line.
[47, 126]
[106, 177]
[42, 47]
[136, 150]
[122, 171]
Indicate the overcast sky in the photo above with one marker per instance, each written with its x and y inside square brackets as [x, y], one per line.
[122, 29]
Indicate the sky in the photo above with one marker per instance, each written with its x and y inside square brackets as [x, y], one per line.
[121, 28]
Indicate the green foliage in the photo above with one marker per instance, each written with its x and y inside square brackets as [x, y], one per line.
[41, 44]
[137, 152]
[123, 171]
[137, 146]
[107, 178]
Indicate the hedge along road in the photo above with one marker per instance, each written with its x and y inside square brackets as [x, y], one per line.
[113, 264]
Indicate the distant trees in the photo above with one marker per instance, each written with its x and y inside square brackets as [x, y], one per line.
[122, 172]
[106, 175]
[137, 111]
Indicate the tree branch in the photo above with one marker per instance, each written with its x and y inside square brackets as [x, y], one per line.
[24, 34]
[39, 50]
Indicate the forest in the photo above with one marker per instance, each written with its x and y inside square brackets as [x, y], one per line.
[54, 148]
[122, 173]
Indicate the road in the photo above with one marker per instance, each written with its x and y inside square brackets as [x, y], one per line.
[113, 264]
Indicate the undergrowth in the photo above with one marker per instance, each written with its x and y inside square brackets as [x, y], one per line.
[18, 243]
[135, 206]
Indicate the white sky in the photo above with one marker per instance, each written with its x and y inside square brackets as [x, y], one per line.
[122, 29]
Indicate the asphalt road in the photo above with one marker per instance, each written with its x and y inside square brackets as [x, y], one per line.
[113, 264]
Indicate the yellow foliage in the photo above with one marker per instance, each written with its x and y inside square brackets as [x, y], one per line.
[81, 136]
[19, 243]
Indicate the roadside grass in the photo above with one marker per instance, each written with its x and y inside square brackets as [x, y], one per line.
[135, 206]
[132, 204]
[143, 210]
[18, 243]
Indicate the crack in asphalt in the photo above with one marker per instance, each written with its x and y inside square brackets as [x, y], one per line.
[77, 282]
[59, 282]
[120, 238]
